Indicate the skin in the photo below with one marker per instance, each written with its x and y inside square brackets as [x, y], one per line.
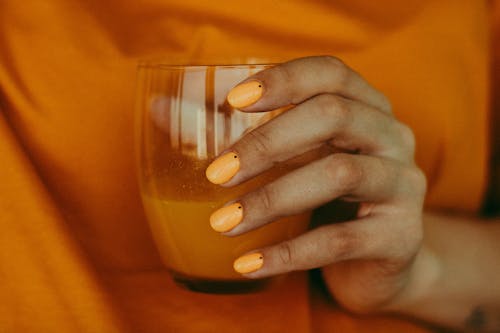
[392, 256]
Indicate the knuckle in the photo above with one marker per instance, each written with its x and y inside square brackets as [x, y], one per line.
[285, 253]
[417, 180]
[341, 71]
[266, 197]
[334, 108]
[332, 61]
[343, 171]
[412, 185]
[407, 137]
[285, 73]
[259, 141]
[344, 242]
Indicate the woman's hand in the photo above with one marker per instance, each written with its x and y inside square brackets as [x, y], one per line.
[365, 261]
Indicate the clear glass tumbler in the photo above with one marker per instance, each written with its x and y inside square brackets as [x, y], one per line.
[183, 122]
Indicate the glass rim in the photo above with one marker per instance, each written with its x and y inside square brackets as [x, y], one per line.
[165, 65]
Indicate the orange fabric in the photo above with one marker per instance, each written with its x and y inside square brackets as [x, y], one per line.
[75, 250]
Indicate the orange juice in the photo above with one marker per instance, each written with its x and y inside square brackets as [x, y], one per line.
[178, 202]
[192, 248]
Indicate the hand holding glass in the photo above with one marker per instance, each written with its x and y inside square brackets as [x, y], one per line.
[183, 123]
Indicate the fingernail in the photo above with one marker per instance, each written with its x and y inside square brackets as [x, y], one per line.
[226, 218]
[223, 169]
[245, 94]
[248, 263]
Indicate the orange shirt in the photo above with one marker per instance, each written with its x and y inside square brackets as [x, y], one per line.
[75, 250]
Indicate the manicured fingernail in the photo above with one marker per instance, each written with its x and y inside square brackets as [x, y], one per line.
[223, 169]
[248, 263]
[226, 218]
[245, 94]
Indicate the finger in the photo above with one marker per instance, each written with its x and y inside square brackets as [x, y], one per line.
[343, 123]
[351, 177]
[361, 239]
[298, 80]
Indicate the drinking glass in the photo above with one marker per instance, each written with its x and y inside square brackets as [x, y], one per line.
[183, 122]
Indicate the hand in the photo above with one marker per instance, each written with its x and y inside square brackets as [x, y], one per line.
[366, 262]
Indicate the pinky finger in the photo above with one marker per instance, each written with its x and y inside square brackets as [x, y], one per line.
[317, 248]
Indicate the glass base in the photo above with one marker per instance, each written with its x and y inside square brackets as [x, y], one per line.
[220, 286]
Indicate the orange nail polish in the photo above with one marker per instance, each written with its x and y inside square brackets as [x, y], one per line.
[223, 169]
[226, 218]
[249, 263]
[245, 94]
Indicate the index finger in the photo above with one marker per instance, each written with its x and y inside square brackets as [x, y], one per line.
[298, 80]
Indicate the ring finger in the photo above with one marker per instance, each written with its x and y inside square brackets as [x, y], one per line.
[352, 177]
